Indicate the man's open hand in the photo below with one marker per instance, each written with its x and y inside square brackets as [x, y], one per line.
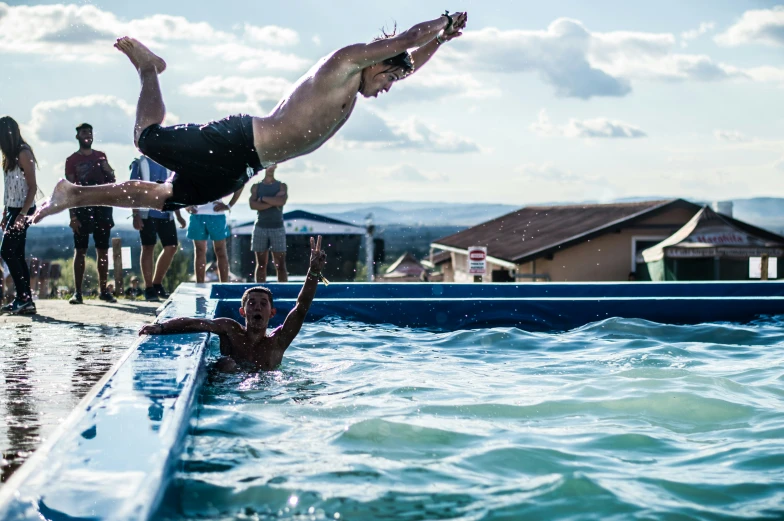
[318, 258]
[151, 329]
[459, 21]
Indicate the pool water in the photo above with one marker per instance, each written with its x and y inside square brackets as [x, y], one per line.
[620, 419]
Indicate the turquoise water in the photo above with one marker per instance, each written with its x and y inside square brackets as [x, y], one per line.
[620, 419]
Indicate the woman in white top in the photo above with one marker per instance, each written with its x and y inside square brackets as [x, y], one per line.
[20, 187]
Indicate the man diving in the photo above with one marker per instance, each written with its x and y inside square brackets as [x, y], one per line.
[213, 160]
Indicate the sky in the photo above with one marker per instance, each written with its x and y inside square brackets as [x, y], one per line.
[536, 102]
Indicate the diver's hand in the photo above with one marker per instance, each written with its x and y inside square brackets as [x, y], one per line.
[459, 21]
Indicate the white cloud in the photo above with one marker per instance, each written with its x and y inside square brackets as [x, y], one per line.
[111, 117]
[271, 35]
[255, 90]
[251, 57]
[406, 173]
[366, 129]
[756, 26]
[779, 165]
[585, 129]
[766, 74]
[86, 33]
[548, 171]
[583, 64]
[693, 34]
[431, 84]
[316, 39]
[732, 136]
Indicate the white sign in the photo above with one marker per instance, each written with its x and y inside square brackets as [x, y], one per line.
[477, 260]
[125, 251]
[755, 267]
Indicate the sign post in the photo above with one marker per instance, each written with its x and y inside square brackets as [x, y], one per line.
[117, 264]
[477, 262]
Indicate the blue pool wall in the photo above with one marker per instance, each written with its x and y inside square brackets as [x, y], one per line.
[115, 455]
[533, 306]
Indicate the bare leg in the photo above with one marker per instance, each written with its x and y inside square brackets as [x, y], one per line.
[128, 194]
[200, 259]
[150, 109]
[163, 263]
[146, 262]
[222, 256]
[261, 266]
[78, 268]
[279, 260]
[102, 256]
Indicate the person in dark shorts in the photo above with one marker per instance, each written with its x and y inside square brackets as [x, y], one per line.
[88, 167]
[152, 225]
[19, 180]
[213, 160]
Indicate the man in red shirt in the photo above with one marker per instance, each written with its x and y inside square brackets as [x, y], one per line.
[88, 167]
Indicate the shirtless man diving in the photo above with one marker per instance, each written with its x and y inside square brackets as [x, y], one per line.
[216, 159]
[251, 344]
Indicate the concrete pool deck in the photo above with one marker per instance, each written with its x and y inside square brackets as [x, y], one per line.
[124, 313]
[49, 361]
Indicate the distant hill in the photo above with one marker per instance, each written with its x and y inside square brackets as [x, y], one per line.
[766, 212]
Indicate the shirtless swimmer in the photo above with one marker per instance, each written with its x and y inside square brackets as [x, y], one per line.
[250, 344]
[217, 159]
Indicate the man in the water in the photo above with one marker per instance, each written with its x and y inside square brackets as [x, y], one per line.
[251, 344]
[216, 159]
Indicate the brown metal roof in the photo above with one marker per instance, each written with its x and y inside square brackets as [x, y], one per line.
[535, 231]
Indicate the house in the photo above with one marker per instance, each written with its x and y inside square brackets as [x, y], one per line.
[405, 269]
[711, 246]
[584, 242]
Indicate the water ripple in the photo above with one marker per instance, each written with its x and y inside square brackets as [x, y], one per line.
[619, 419]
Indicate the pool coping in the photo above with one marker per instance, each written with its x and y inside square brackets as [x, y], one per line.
[77, 474]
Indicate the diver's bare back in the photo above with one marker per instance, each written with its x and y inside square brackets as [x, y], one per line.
[315, 107]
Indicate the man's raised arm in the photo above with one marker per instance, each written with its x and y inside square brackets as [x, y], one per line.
[422, 54]
[364, 55]
[296, 316]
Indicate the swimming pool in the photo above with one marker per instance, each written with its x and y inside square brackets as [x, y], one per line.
[486, 401]
[618, 419]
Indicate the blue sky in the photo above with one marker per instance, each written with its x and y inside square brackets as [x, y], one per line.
[539, 101]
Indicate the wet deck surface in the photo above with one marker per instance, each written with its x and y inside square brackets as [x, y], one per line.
[49, 361]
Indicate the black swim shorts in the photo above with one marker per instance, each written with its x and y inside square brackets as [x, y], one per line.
[209, 161]
[154, 228]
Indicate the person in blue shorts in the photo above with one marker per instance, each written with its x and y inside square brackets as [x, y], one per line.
[208, 223]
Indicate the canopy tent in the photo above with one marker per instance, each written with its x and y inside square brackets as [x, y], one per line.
[710, 235]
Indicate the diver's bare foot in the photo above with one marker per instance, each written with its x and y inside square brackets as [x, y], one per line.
[141, 57]
[56, 203]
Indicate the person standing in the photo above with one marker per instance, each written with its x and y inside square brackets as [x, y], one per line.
[208, 222]
[20, 186]
[269, 235]
[152, 225]
[88, 167]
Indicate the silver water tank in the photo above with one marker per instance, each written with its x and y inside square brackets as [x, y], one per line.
[722, 207]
